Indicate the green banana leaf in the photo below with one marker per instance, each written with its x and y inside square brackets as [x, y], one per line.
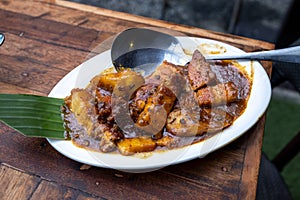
[31, 115]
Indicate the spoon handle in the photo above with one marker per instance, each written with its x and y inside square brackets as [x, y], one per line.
[291, 55]
[1, 38]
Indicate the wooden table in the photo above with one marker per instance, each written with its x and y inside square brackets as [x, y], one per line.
[47, 39]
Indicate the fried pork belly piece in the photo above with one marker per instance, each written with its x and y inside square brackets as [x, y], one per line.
[158, 93]
[162, 98]
[109, 81]
[129, 146]
[139, 101]
[108, 141]
[150, 107]
[174, 78]
[103, 105]
[168, 75]
[169, 142]
[83, 105]
[220, 94]
[199, 71]
[180, 123]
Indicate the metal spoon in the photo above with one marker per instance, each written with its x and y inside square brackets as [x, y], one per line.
[144, 49]
[1, 38]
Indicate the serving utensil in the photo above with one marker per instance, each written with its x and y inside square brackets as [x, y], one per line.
[143, 49]
[1, 38]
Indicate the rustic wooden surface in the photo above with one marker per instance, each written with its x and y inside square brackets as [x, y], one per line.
[47, 39]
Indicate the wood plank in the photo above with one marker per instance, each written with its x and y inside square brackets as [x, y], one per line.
[51, 190]
[28, 73]
[54, 12]
[252, 158]
[51, 55]
[26, 63]
[250, 171]
[52, 32]
[29, 5]
[16, 184]
[104, 36]
[13, 89]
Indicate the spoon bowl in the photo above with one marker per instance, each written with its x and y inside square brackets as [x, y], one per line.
[144, 49]
[1, 38]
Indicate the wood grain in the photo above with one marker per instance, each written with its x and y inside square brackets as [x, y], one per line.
[13, 89]
[50, 31]
[16, 184]
[51, 190]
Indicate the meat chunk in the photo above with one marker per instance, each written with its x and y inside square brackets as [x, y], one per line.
[169, 142]
[103, 105]
[108, 141]
[163, 98]
[139, 101]
[152, 102]
[83, 106]
[199, 72]
[164, 74]
[180, 123]
[129, 146]
[220, 94]
[126, 112]
[109, 81]
[214, 119]
[150, 107]
[170, 76]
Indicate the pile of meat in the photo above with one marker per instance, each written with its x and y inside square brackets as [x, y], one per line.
[173, 107]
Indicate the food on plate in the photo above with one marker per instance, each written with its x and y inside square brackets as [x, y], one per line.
[200, 72]
[175, 106]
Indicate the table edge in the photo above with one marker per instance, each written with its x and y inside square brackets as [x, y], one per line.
[160, 23]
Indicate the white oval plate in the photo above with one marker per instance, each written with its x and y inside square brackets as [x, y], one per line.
[81, 75]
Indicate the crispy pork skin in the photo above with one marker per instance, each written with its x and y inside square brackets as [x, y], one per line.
[180, 123]
[220, 94]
